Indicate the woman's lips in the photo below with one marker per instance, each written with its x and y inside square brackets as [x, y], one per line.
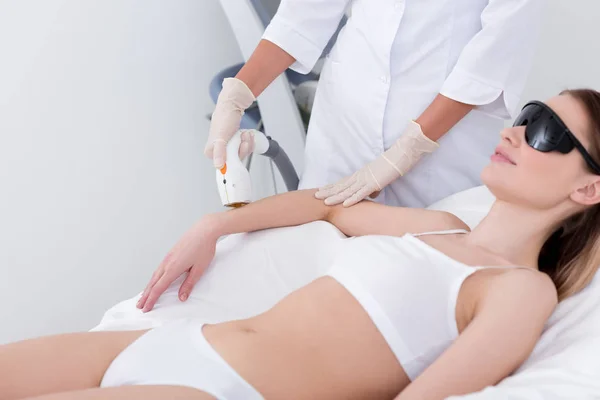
[501, 157]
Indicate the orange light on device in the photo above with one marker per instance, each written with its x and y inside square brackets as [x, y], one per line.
[224, 169]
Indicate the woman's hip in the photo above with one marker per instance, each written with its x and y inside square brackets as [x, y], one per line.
[178, 353]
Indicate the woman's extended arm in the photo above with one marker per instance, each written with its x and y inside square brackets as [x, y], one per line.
[195, 250]
[300, 207]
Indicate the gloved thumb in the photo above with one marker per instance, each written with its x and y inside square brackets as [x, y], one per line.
[188, 284]
[208, 149]
[219, 153]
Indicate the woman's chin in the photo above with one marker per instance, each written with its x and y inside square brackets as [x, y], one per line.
[488, 174]
[497, 179]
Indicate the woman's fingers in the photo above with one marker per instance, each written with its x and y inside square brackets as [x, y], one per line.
[157, 290]
[177, 261]
[188, 284]
[155, 277]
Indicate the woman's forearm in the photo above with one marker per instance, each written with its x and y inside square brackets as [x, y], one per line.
[265, 64]
[286, 209]
[301, 207]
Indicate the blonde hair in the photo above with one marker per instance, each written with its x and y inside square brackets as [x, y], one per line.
[571, 256]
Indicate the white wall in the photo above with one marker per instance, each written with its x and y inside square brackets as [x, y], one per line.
[102, 106]
[568, 54]
[102, 127]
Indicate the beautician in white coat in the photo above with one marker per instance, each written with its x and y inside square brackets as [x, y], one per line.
[405, 78]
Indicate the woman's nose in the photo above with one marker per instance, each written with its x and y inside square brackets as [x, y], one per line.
[513, 135]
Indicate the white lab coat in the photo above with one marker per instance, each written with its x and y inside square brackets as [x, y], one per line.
[389, 62]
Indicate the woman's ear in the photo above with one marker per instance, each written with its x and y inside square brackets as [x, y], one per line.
[589, 193]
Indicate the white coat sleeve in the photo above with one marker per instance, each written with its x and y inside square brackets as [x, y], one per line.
[303, 28]
[492, 69]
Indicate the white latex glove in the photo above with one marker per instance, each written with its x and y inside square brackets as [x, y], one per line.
[247, 144]
[395, 162]
[234, 99]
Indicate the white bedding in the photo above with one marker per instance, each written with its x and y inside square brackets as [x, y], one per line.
[251, 272]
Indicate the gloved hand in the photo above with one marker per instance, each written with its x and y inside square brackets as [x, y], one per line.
[392, 164]
[234, 99]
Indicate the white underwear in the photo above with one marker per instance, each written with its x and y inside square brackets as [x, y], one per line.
[178, 354]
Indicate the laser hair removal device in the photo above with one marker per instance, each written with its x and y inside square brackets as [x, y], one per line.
[233, 180]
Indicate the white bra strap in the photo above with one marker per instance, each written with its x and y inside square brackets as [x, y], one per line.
[447, 232]
[507, 267]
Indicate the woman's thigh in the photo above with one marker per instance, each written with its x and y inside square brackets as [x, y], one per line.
[59, 363]
[132, 393]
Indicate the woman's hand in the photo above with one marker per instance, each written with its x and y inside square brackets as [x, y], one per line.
[192, 254]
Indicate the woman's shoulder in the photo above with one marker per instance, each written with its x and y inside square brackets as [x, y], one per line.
[521, 288]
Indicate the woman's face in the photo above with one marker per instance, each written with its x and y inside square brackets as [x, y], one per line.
[522, 175]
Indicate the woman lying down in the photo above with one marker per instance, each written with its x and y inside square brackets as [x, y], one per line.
[414, 307]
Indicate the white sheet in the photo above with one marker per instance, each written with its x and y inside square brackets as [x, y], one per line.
[251, 272]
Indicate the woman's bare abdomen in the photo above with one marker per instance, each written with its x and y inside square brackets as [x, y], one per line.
[317, 343]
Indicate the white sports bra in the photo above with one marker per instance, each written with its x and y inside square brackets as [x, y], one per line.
[409, 289]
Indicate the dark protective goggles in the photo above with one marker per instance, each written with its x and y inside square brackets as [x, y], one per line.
[545, 132]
